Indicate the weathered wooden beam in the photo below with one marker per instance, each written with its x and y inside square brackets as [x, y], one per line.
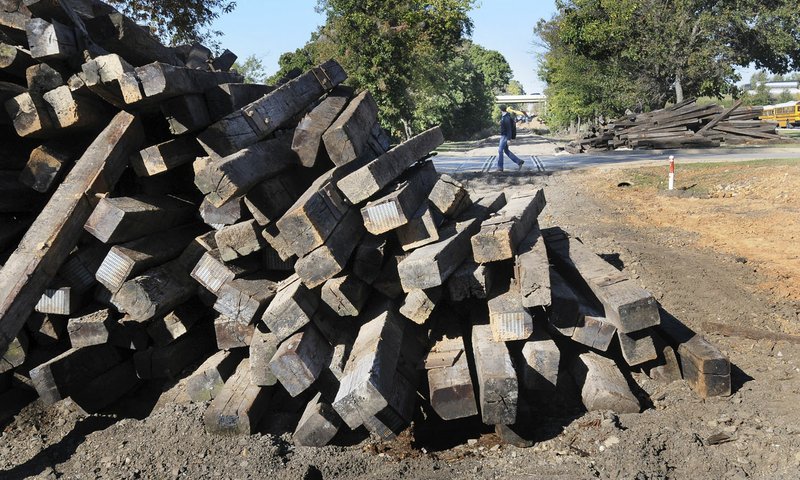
[159, 290]
[508, 318]
[270, 199]
[452, 393]
[371, 372]
[71, 113]
[234, 175]
[42, 78]
[239, 240]
[627, 306]
[419, 304]
[346, 295]
[219, 217]
[12, 25]
[318, 424]
[81, 266]
[603, 387]
[263, 346]
[172, 326]
[208, 380]
[593, 330]
[538, 363]
[239, 406]
[307, 142]
[704, 366]
[186, 113]
[329, 259]
[29, 115]
[47, 165]
[399, 205]
[449, 197]
[46, 329]
[300, 359]
[431, 265]
[470, 280]
[377, 174]
[315, 214]
[226, 98]
[245, 299]
[15, 354]
[112, 79]
[30, 268]
[121, 219]
[101, 327]
[292, 308]
[368, 258]
[121, 35]
[51, 40]
[396, 415]
[532, 270]
[498, 388]
[224, 61]
[565, 306]
[170, 360]
[667, 368]
[69, 372]
[60, 299]
[161, 81]
[129, 259]
[257, 120]
[15, 60]
[232, 333]
[637, 347]
[211, 272]
[422, 229]
[501, 235]
[346, 139]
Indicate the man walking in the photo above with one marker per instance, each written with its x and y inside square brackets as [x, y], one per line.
[507, 132]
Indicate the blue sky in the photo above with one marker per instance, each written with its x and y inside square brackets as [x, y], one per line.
[268, 28]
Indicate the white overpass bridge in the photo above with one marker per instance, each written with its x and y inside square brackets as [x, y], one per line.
[521, 99]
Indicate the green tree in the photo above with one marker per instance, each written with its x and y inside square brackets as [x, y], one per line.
[492, 64]
[177, 21]
[290, 63]
[648, 52]
[454, 95]
[384, 45]
[252, 68]
[514, 87]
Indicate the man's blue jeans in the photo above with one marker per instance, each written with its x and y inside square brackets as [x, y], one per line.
[504, 149]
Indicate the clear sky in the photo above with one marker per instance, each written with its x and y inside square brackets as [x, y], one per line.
[268, 28]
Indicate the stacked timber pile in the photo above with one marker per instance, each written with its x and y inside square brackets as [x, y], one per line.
[271, 249]
[682, 125]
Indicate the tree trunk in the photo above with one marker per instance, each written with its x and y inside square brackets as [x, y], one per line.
[678, 88]
[407, 127]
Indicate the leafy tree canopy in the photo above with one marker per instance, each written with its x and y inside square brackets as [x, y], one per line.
[177, 21]
[644, 53]
[252, 68]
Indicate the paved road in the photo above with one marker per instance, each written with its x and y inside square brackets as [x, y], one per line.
[448, 163]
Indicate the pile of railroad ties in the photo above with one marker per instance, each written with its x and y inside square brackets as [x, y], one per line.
[268, 249]
[683, 125]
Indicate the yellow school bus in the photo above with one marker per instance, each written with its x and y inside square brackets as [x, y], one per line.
[786, 114]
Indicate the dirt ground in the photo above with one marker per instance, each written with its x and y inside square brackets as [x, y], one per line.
[724, 250]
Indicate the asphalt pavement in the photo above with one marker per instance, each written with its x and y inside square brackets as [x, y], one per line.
[450, 163]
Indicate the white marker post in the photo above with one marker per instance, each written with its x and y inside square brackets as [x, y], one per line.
[671, 172]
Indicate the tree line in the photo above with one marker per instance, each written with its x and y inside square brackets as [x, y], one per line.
[414, 56]
[603, 57]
